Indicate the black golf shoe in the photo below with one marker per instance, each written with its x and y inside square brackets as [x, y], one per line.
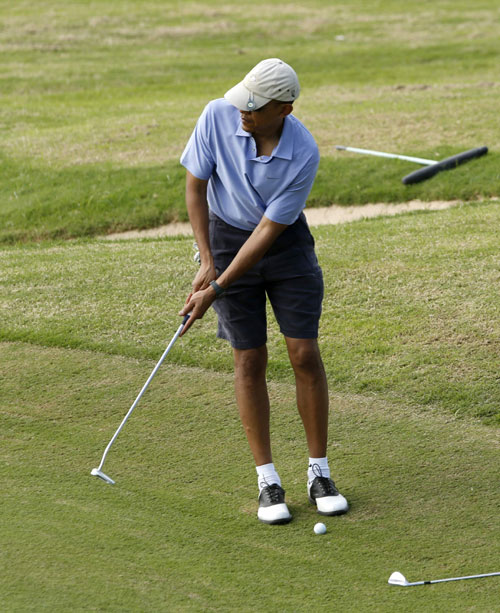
[272, 507]
[328, 500]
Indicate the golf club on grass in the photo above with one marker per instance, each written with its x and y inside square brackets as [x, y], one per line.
[399, 579]
[432, 167]
[97, 472]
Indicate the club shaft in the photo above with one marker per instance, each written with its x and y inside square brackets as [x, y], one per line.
[462, 578]
[144, 387]
[453, 579]
[382, 154]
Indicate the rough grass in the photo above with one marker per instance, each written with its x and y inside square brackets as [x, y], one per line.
[98, 102]
[40, 204]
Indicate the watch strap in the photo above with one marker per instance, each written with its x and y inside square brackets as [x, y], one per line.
[219, 291]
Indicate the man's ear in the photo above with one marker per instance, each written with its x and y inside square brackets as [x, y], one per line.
[286, 110]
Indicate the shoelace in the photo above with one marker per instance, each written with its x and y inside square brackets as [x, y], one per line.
[263, 484]
[274, 493]
[317, 472]
[326, 486]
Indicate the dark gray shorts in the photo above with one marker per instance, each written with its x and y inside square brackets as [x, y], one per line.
[289, 274]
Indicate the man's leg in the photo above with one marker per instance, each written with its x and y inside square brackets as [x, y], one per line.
[312, 402]
[253, 404]
[253, 400]
[312, 392]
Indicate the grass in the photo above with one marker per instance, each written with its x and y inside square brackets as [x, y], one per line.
[178, 530]
[41, 204]
[410, 341]
[96, 104]
[90, 200]
[409, 312]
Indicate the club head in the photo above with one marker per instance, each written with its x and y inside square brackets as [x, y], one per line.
[398, 579]
[98, 473]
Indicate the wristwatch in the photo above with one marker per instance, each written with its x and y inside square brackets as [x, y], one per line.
[219, 291]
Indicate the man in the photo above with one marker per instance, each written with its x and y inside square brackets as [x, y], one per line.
[250, 167]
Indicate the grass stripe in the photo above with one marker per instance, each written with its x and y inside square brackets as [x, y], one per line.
[142, 545]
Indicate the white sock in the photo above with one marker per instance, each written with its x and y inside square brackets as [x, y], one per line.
[267, 475]
[318, 467]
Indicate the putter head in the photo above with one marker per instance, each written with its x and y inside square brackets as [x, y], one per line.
[98, 473]
[398, 579]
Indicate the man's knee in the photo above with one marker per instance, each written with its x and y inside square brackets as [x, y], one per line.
[304, 355]
[250, 363]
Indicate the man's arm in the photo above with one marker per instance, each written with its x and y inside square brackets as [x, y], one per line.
[250, 253]
[197, 208]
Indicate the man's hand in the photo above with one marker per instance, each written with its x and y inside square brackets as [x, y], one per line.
[250, 253]
[205, 274]
[197, 305]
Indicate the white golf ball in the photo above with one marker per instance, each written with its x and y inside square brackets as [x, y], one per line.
[320, 528]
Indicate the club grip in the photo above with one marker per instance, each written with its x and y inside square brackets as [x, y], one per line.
[447, 164]
[421, 174]
[460, 158]
[186, 317]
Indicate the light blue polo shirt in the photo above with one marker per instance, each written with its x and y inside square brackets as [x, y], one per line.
[241, 185]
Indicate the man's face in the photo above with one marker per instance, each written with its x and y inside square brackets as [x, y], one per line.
[266, 120]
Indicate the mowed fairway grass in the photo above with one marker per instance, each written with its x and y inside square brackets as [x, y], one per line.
[97, 101]
[410, 339]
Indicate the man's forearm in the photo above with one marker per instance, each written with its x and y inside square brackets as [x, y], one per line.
[252, 251]
[197, 208]
[198, 217]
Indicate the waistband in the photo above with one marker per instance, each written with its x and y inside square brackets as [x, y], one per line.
[296, 233]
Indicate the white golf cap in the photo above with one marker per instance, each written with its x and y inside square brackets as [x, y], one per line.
[271, 79]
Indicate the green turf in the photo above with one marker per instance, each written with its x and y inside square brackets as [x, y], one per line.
[98, 102]
[409, 311]
[178, 531]
[40, 204]
[410, 340]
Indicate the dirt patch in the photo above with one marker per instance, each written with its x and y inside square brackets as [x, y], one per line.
[334, 214]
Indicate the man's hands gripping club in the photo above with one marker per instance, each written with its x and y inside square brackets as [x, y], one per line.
[201, 296]
[261, 239]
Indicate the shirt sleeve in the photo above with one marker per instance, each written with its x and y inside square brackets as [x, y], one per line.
[286, 207]
[198, 157]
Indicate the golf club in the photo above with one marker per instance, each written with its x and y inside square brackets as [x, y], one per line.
[399, 579]
[197, 256]
[382, 154]
[97, 472]
[432, 167]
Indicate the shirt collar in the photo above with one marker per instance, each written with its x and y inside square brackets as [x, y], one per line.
[284, 149]
[240, 131]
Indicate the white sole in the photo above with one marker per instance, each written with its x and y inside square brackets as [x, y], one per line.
[275, 514]
[331, 505]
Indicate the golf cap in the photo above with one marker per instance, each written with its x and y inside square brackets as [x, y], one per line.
[271, 79]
